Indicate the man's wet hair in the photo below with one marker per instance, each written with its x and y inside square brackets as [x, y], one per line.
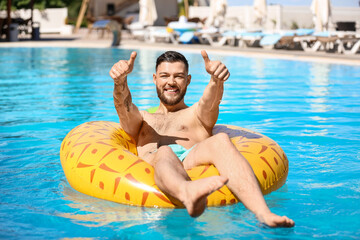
[172, 56]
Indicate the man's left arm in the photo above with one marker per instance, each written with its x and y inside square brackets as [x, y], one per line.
[208, 106]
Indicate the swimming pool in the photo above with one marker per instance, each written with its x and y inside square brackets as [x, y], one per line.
[311, 109]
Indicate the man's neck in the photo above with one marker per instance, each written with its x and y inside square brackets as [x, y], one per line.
[165, 109]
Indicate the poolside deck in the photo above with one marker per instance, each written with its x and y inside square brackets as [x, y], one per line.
[83, 40]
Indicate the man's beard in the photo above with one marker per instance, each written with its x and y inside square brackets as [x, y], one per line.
[172, 101]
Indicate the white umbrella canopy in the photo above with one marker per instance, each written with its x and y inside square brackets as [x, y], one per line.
[217, 13]
[147, 13]
[260, 10]
[321, 10]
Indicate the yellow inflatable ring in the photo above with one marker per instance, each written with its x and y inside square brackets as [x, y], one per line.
[99, 159]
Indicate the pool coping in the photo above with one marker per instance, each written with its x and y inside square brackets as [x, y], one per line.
[323, 57]
[76, 41]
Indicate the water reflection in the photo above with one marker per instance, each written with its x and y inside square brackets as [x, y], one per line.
[318, 99]
[146, 61]
[93, 212]
[232, 220]
[143, 88]
[258, 67]
[259, 82]
[319, 87]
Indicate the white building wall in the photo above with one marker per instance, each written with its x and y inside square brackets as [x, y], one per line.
[99, 8]
[53, 20]
[347, 14]
[300, 15]
[281, 17]
[165, 8]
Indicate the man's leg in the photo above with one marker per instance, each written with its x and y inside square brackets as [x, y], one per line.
[219, 151]
[172, 179]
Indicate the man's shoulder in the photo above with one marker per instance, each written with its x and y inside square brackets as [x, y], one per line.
[144, 113]
[190, 108]
[188, 111]
[188, 114]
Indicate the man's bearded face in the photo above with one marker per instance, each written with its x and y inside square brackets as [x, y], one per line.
[171, 81]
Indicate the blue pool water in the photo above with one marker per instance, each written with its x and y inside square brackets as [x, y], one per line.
[311, 109]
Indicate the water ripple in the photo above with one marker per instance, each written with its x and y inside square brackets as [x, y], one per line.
[311, 109]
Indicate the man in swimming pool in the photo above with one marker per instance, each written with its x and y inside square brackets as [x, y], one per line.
[177, 128]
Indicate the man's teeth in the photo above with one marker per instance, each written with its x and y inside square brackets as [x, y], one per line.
[171, 90]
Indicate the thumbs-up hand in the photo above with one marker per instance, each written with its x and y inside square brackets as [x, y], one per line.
[215, 68]
[122, 68]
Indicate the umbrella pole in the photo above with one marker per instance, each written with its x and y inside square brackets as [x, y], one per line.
[81, 15]
[32, 11]
[8, 19]
[186, 6]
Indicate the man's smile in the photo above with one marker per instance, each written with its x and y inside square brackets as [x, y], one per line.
[171, 90]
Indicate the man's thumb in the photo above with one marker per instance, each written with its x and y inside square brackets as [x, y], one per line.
[132, 58]
[205, 56]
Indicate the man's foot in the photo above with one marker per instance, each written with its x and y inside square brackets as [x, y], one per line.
[273, 220]
[196, 192]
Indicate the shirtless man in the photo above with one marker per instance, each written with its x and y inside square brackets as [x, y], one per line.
[190, 128]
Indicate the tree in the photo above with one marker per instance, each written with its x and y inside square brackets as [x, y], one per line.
[38, 4]
[182, 6]
[72, 5]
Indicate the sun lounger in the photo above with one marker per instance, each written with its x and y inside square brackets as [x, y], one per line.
[328, 41]
[308, 43]
[156, 34]
[100, 25]
[137, 30]
[348, 42]
[111, 26]
[277, 39]
[283, 39]
[186, 37]
[355, 47]
[214, 37]
[249, 39]
[184, 29]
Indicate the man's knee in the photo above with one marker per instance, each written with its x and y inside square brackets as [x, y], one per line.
[163, 153]
[221, 139]
[164, 150]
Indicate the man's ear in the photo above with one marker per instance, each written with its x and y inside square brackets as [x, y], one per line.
[154, 78]
[188, 80]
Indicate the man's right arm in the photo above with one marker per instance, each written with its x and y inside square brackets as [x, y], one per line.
[129, 115]
[208, 107]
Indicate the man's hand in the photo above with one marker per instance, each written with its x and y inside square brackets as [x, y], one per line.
[122, 68]
[215, 68]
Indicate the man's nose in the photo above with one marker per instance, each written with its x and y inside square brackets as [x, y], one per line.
[171, 80]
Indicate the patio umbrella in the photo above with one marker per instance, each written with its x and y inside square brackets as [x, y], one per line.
[260, 11]
[147, 13]
[321, 10]
[217, 13]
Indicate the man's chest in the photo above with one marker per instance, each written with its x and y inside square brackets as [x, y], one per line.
[168, 125]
